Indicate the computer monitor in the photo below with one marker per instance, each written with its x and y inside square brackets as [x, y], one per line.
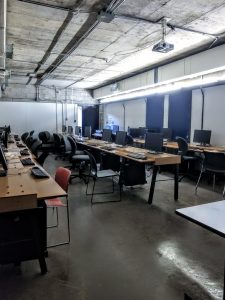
[167, 133]
[87, 131]
[77, 130]
[70, 129]
[143, 131]
[121, 138]
[115, 128]
[202, 136]
[3, 162]
[135, 132]
[154, 141]
[63, 128]
[107, 135]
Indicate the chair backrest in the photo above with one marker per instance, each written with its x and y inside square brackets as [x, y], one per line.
[44, 136]
[154, 141]
[35, 146]
[67, 144]
[62, 177]
[72, 144]
[107, 135]
[213, 160]
[29, 141]
[42, 157]
[93, 164]
[24, 136]
[182, 145]
[129, 140]
[31, 132]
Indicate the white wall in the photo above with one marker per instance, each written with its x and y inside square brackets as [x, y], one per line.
[27, 116]
[135, 113]
[214, 113]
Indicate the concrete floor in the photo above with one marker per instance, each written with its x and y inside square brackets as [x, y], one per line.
[125, 250]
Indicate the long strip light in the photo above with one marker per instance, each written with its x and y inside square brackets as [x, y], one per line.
[196, 80]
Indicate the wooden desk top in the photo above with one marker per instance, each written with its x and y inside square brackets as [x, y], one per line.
[194, 147]
[157, 159]
[210, 216]
[19, 180]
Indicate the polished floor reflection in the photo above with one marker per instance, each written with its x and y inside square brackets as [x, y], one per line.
[126, 250]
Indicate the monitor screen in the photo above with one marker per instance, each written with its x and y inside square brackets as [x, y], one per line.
[121, 138]
[70, 129]
[87, 131]
[64, 128]
[3, 159]
[135, 132]
[202, 136]
[115, 128]
[77, 130]
[167, 133]
[107, 135]
[154, 141]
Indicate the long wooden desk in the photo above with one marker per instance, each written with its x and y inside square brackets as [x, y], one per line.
[16, 195]
[191, 147]
[210, 216]
[154, 159]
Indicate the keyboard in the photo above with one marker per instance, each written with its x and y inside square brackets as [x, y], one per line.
[108, 148]
[137, 155]
[39, 173]
[27, 162]
[24, 152]
[154, 152]
[20, 145]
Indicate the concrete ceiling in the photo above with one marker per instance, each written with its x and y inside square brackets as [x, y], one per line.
[64, 43]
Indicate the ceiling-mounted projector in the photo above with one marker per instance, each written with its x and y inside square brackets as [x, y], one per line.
[163, 47]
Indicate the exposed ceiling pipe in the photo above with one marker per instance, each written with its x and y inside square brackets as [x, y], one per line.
[3, 7]
[79, 37]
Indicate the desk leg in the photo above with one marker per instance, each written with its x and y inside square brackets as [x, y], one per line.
[176, 182]
[152, 188]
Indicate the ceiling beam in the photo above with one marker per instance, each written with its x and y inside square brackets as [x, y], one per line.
[90, 24]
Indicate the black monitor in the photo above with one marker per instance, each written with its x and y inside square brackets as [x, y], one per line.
[121, 138]
[63, 128]
[87, 131]
[154, 141]
[202, 136]
[135, 132]
[167, 133]
[143, 131]
[77, 130]
[107, 135]
[3, 162]
[70, 129]
[115, 128]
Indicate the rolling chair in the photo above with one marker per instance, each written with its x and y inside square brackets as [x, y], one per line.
[96, 175]
[78, 158]
[59, 147]
[62, 177]
[24, 136]
[185, 158]
[212, 163]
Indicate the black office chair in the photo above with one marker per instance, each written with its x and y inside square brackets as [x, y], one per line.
[79, 159]
[29, 141]
[45, 137]
[95, 175]
[212, 163]
[129, 140]
[24, 136]
[35, 146]
[59, 146]
[31, 132]
[185, 158]
[42, 157]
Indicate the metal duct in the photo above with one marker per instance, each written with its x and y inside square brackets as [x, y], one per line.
[3, 7]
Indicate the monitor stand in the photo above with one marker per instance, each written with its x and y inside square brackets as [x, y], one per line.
[3, 173]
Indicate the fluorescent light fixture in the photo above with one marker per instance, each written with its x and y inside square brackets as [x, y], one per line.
[168, 86]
